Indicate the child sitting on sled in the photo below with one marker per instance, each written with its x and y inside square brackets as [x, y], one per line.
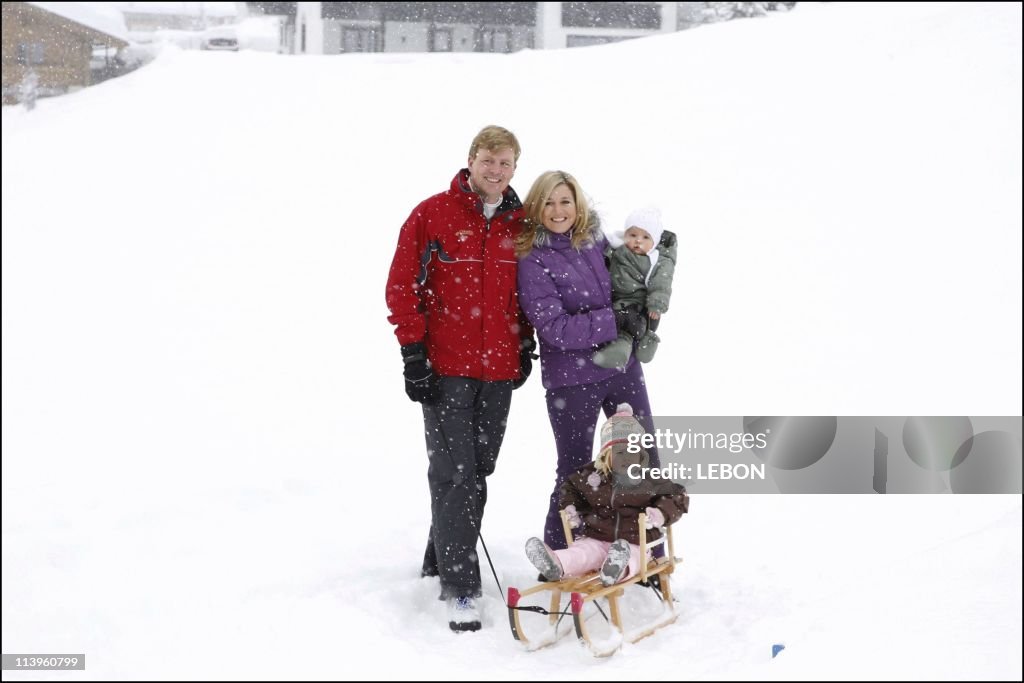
[603, 503]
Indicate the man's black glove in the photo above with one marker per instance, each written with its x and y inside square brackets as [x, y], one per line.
[631, 321]
[420, 380]
[526, 356]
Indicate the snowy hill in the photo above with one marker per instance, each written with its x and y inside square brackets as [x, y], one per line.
[210, 469]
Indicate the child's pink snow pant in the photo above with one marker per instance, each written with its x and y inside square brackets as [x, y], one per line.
[588, 554]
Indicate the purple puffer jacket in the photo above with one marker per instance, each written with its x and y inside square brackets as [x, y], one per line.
[567, 295]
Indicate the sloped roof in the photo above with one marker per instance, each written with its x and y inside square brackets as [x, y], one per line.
[108, 21]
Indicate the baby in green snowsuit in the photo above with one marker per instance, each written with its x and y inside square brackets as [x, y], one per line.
[641, 270]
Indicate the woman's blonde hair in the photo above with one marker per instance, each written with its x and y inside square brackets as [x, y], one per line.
[534, 233]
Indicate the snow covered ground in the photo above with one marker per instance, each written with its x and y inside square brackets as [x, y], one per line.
[210, 469]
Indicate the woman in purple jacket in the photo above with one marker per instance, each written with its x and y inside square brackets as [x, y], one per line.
[566, 293]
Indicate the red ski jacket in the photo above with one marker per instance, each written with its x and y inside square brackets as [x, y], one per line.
[452, 284]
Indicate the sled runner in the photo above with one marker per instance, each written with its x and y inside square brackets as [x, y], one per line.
[586, 590]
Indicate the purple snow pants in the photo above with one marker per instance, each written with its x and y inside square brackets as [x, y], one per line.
[573, 412]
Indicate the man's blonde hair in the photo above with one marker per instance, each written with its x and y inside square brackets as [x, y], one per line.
[534, 233]
[493, 139]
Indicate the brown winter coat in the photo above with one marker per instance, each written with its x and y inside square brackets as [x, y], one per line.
[607, 506]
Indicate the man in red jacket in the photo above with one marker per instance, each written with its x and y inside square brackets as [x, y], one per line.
[466, 345]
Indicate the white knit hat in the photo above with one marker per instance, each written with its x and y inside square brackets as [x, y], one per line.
[648, 218]
[620, 426]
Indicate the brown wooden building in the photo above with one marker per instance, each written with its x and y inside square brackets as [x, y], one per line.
[54, 40]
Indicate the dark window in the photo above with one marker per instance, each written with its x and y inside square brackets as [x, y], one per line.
[350, 40]
[642, 15]
[352, 11]
[494, 40]
[478, 13]
[360, 39]
[31, 54]
[440, 39]
[502, 41]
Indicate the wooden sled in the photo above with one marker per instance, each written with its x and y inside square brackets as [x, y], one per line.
[583, 590]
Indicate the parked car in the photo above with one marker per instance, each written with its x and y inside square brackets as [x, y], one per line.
[223, 38]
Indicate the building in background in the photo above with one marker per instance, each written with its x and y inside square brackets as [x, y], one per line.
[51, 45]
[342, 27]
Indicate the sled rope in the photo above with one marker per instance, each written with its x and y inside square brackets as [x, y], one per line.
[493, 571]
[541, 610]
